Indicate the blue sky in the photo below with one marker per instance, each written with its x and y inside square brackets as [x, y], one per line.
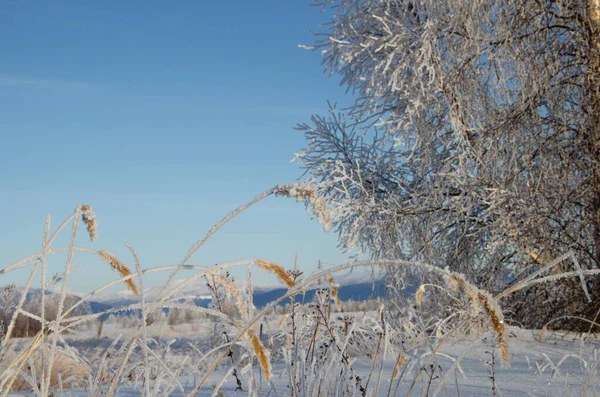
[164, 116]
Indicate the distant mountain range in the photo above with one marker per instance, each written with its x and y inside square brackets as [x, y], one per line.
[34, 296]
[356, 286]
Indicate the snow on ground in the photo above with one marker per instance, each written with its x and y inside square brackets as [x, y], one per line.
[560, 365]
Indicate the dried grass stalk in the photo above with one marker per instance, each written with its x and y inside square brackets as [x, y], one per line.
[380, 312]
[63, 367]
[120, 268]
[261, 354]
[276, 269]
[88, 216]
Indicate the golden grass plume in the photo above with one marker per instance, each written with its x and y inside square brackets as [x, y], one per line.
[419, 294]
[276, 269]
[261, 354]
[120, 268]
[482, 301]
[496, 321]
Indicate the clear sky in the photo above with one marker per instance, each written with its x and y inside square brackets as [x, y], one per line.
[164, 116]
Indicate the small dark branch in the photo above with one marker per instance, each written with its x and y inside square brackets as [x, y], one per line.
[215, 290]
[491, 368]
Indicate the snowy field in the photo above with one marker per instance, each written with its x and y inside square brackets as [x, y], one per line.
[561, 365]
[167, 345]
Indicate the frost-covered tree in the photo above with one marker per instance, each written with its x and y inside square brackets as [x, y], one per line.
[9, 297]
[474, 139]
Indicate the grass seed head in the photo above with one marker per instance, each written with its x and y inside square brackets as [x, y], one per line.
[399, 363]
[419, 294]
[283, 319]
[455, 282]
[88, 216]
[303, 192]
[278, 270]
[120, 268]
[482, 301]
[234, 292]
[334, 293]
[496, 322]
[261, 354]
[543, 333]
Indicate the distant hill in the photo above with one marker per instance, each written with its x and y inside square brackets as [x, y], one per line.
[356, 286]
[34, 296]
[356, 291]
